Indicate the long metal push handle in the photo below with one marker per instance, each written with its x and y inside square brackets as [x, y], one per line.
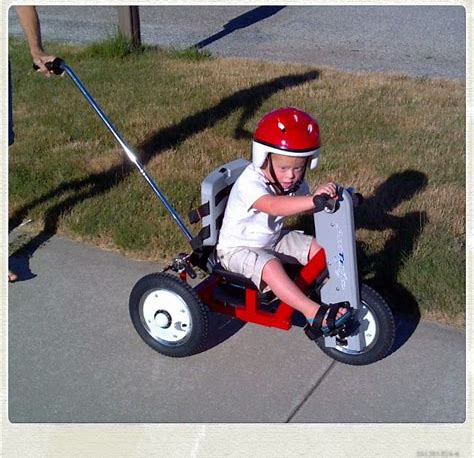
[58, 67]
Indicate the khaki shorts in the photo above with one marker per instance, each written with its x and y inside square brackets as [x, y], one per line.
[292, 247]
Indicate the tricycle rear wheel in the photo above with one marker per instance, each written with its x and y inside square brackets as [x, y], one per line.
[168, 315]
[375, 320]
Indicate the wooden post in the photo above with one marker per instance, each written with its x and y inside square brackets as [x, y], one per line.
[129, 23]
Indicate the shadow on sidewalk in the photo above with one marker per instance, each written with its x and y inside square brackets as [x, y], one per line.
[221, 328]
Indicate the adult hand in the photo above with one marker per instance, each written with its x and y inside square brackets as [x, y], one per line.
[29, 20]
[40, 58]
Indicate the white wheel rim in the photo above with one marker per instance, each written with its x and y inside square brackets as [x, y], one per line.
[367, 326]
[166, 316]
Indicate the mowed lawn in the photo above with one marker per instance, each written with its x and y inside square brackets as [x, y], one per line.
[399, 140]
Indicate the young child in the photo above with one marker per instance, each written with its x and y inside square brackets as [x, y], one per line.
[251, 240]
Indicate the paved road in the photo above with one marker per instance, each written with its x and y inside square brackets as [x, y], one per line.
[74, 356]
[416, 40]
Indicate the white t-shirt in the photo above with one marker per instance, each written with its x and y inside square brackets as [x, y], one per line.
[244, 225]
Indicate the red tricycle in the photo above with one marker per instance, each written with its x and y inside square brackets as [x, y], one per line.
[171, 316]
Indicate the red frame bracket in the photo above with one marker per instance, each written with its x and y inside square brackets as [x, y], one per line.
[250, 311]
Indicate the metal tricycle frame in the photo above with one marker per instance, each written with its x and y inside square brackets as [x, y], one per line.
[250, 310]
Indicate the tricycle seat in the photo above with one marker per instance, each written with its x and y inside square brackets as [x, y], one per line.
[232, 277]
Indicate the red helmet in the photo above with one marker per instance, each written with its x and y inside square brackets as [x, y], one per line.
[287, 131]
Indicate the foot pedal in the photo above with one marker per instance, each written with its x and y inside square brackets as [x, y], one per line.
[348, 328]
[309, 333]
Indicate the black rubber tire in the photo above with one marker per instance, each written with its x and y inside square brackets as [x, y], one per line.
[384, 332]
[193, 341]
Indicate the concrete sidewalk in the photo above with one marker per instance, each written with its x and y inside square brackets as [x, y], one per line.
[74, 356]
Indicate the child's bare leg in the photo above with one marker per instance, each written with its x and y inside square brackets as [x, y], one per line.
[314, 248]
[286, 290]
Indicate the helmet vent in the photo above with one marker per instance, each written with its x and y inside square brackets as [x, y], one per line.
[281, 126]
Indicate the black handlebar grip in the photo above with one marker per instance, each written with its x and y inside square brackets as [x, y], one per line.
[324, 202]
[56, 66]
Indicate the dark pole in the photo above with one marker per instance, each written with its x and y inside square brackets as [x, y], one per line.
[129, 23]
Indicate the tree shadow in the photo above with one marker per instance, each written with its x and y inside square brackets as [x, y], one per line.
[169, 137]
[244, 20]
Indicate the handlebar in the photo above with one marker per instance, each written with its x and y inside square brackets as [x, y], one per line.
[324, 202]
[56, 66]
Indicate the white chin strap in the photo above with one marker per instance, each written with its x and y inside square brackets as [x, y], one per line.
[260, 153]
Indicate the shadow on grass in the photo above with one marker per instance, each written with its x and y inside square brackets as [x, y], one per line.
[170, 137]
[240, 22]
[385, 265]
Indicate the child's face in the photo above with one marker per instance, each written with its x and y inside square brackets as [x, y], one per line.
[288, 170]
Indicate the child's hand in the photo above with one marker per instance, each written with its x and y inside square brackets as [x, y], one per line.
[328, 188]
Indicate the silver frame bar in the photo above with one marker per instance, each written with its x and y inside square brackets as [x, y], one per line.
[128, 151]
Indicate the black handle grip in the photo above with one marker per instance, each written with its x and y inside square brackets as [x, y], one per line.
[56, 66]
[324, 202]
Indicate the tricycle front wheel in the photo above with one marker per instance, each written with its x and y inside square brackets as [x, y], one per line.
[375, 320]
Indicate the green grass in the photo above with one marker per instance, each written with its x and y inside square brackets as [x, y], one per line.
[192, 54]
[399, 140]
[115, 45]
